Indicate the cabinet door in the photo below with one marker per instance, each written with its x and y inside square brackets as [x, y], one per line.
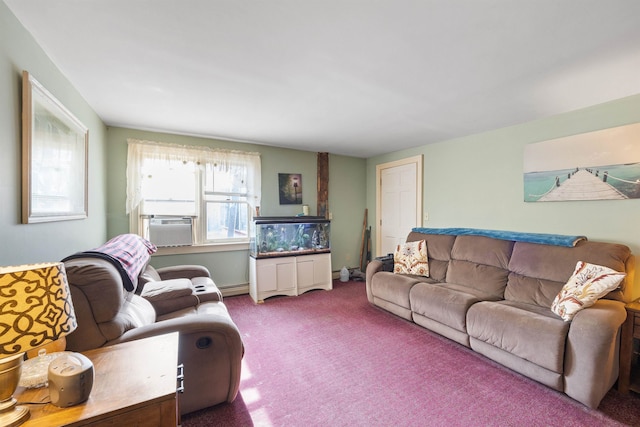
[276, 275]
[286, 276]
[314, 271]
[306, 274]
[322, 270]
[267, 277]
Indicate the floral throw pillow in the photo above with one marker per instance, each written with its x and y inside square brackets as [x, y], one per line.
[588, 283]
[411, 258]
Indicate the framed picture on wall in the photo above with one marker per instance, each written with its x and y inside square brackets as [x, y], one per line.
[54, 157]
[598, 165]
[290, 188]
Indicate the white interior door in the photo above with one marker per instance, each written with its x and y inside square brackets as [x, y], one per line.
[399, 202]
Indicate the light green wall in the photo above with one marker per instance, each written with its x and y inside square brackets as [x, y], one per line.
[347, 202]
[477, 181]
[346, 199]
[107, 163]
[29, 243]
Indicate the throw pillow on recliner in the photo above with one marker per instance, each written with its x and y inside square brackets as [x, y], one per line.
[588, 283]
[411, 258]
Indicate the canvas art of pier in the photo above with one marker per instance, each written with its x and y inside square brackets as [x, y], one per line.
[609, 168]
[587, 184]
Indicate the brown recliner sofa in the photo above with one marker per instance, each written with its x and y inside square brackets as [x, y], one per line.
[494, 295]
[180, 299]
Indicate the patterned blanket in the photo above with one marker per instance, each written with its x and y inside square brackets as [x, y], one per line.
[129, 253]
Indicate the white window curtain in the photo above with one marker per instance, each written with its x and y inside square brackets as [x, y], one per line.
[139, 150]
[58, 153]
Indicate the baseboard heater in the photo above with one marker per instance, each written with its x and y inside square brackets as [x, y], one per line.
[171, 231]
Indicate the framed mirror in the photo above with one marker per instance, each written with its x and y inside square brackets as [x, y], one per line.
[54, 157]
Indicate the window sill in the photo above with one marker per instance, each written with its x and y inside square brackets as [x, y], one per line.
[212, 247]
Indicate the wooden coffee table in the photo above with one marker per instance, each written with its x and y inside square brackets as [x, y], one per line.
[135, 384]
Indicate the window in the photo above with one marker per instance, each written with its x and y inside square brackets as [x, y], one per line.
[225, 202]
[214, 191]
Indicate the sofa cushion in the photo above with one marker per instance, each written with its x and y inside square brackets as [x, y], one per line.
[393, 287]
[439, 252]
[588, 283]
[135, 312]
[489, 279]
[170, 295]
[411, 258]
[440, 303]
[528, 331]
[531, 290]
[169, 305]
[478, 293]
[554, 265]
[101, 285]
[149, 274]
[483, 250]
[481, 263]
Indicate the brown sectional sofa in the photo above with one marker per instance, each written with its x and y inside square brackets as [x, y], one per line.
[495, 296]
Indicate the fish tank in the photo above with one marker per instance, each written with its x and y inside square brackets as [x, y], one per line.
[277, 236]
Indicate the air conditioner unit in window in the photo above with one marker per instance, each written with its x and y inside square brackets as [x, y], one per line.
[171, 231]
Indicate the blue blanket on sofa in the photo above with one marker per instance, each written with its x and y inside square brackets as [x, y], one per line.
[544, 239]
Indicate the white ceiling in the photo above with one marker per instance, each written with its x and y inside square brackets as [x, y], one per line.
[351, 77]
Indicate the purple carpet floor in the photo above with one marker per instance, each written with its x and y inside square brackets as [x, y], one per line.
[329, 358]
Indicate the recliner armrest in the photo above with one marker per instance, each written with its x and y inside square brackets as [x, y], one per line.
[373, 267]
[215, 321]
[183, 271]
[211, 350]
[592, 347]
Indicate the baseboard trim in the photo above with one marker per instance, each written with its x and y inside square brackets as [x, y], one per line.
[229, 291]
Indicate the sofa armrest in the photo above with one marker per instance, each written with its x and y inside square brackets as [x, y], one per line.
[211, 350]
[592, 354]
[188, 324]
[183, 271]
[373, 267]
[208, 317]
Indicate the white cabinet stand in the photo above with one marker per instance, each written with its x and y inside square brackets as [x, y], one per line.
[290, 275]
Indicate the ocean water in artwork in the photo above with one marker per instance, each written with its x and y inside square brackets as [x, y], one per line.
[623, 177]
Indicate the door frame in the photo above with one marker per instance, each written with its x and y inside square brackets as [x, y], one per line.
[417, 160]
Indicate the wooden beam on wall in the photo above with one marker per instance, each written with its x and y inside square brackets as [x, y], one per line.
[323, 185]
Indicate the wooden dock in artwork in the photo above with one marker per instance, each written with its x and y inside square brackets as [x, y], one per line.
[582, 186]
